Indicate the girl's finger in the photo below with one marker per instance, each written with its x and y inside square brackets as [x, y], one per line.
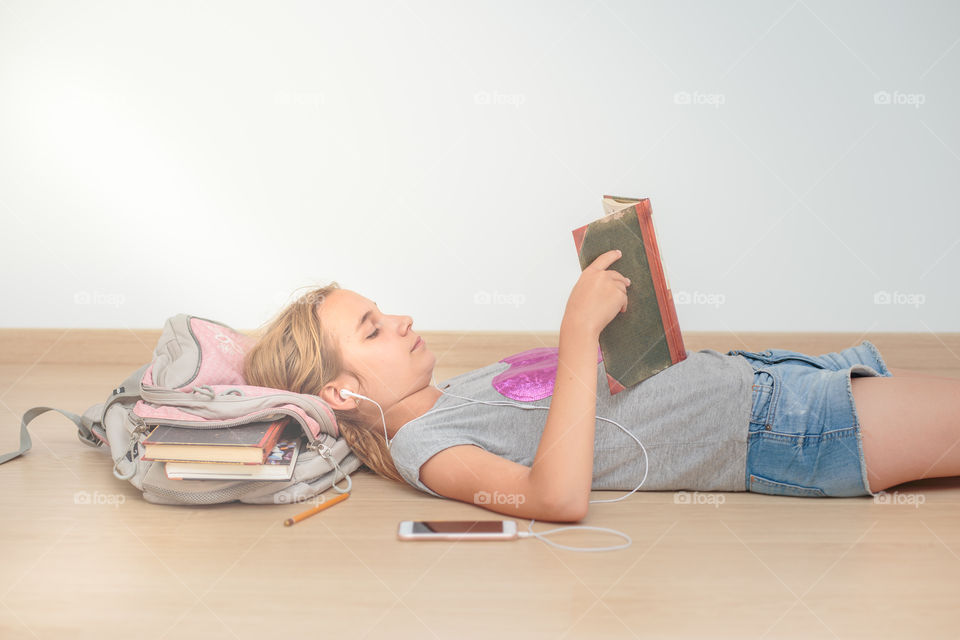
[604, 260]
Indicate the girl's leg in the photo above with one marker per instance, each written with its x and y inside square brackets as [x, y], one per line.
[910, 427]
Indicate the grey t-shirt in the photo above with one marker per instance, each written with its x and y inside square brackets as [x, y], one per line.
[693, 419]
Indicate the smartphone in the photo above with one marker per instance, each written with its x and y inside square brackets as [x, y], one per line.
[457, 530]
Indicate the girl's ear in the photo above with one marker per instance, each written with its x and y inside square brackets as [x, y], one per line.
[331, 393]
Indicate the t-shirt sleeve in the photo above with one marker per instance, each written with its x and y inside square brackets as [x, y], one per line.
[413, 450]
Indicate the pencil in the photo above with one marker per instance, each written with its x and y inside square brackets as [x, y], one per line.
[316, 509]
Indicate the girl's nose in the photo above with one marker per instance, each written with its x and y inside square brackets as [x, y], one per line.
[405, 323]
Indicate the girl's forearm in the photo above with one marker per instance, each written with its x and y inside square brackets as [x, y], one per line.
[563, 466]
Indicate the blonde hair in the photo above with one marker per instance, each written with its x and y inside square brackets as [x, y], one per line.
[293, 352]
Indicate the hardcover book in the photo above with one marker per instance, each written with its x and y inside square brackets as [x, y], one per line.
[278, 466]
[248, 443]
[646, 339]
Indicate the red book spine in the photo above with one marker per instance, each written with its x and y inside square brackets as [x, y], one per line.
[271, 437]
[668, 311]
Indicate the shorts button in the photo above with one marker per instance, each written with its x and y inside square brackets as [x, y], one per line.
[767, 427]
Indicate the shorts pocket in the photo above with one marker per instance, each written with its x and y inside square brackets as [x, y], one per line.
[759, 484]
[763, 388]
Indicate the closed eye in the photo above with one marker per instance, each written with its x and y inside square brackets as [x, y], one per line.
[374, 334]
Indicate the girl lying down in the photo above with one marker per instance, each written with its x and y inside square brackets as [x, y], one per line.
[530, 436]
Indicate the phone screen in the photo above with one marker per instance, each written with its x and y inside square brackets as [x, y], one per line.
[458, 526]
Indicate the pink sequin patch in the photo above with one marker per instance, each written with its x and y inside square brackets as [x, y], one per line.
[531, 375]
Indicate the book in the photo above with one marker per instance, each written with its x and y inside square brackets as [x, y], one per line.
[248, 443]
[646, 339]
[278, 466]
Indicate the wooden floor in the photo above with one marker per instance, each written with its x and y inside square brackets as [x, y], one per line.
[741, 566]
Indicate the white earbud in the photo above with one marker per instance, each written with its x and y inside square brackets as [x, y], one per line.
[344, 394]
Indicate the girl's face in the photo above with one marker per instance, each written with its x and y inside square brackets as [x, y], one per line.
[379, 347]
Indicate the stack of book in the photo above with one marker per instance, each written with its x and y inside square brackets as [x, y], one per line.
[265, 450]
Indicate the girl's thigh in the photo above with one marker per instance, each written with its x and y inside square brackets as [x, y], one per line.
[910, 428]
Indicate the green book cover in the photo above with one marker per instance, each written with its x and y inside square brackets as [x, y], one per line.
[646, 339]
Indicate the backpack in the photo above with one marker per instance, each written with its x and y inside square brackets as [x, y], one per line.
[195, 380]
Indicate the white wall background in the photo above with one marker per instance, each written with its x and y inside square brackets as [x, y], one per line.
[211, 158]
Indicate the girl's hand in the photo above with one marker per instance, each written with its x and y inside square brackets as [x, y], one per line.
[597, 297]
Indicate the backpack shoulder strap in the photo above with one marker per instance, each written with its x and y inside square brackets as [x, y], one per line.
[129, 389]
[83, 432]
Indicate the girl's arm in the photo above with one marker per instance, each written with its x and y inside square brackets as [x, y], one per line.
[474, 475]
[557, 485]
[562, 469]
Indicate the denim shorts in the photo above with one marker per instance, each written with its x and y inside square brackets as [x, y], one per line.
[804, 437]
